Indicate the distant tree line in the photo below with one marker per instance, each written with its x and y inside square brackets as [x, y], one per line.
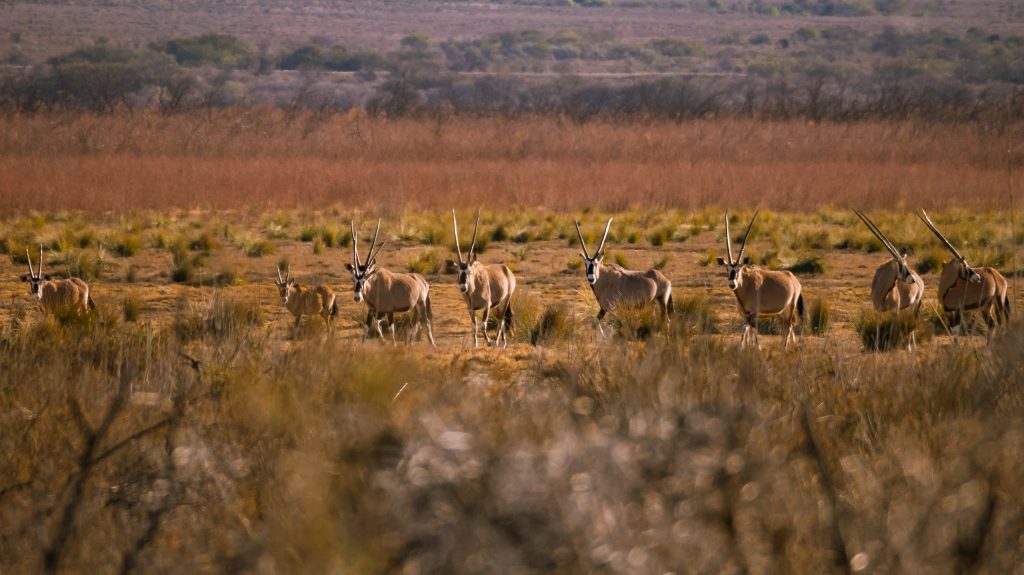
[981, 76]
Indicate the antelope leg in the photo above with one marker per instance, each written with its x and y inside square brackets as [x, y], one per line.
[486, 318]
[430, 330]
[476, 329]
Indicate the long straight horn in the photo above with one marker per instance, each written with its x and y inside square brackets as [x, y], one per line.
[288, 273]
[728, 239]
[28, 258]
[928, 222]
[607, 227]
[280, 280]
[372, 244]
[878, 233]
[40, 260]
[583, 244]
[355, 246]
[743, 245]
[476, 228]
[455, 226]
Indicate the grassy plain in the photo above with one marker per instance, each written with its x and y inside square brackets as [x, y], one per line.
[186, 427]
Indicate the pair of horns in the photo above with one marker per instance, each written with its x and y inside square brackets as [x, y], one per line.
[743, 242]
[472, 246]
[32, 273]
[878, 234]
[928, 222]
[287, 274]
[373, 253]
[600, 248]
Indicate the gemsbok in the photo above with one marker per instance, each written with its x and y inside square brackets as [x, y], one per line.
[895, 286]
[761, 293]
[485, 287]
[965, 288]
[387, 292]
[614, 286]
[304, 300]
[57, 295]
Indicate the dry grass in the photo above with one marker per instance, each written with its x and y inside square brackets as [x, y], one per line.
[182, 427]
[258, 159]
[213, 445]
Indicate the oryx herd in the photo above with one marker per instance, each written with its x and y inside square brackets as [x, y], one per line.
[760, 293]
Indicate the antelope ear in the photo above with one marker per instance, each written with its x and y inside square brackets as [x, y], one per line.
[584, 256]
[349, 267]
[24, 277]
[46, 277]
[721, 261]
[746, 260]
[472, 258]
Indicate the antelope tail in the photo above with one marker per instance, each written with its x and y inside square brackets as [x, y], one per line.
[430, 313]
[90, 303]
[508, 317]
[334, 308]
[670, 305]
[800, 309]
[1006, 307]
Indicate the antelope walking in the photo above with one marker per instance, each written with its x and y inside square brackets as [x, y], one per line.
[964, 288]
[761, 293]
[387, 292]
[302, 300]
[485, 287]
[58, 295]
[895, 286]
[615, 286]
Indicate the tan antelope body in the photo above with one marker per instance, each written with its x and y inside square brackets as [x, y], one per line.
[484, 287]
[387, 293]
[57, 295]
[303, 300]
[894, 287]
[614, 286]
[964, 288]
[762, 293]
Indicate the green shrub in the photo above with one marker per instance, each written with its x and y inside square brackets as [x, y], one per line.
[500, 234]
[183, 264]
[810, 265]
[820, 316]
[660, 236]
[694, 315]
[204, 243]
[131, 308]
[261, 248]
[885, 331]
[427, 263]
[127, 246]
[930, 262]
[554, 324]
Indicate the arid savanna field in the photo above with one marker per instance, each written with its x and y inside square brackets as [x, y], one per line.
[185, 415]
[179, 421]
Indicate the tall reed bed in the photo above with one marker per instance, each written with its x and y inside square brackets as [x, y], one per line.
[250, 158]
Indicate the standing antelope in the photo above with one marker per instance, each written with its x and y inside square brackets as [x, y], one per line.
[761, 293]
[485, 287]
[963, 288]
[614, 286]
[895, 286]
[301, 300]
[59, 295]
[388, 292]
